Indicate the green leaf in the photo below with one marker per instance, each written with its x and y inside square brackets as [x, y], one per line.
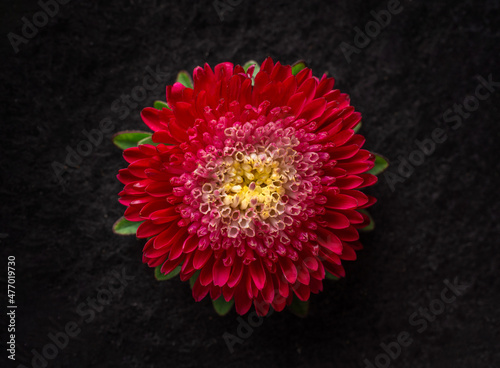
[329, 276]
[184, 78]
[299, 308]
[248, 64]
[193, 278]
[221, 306]
[163, 277]
[371, 225]
[125, 227]
[147, 140]
[357, 128]
[129, 138]
[298, 66]
[161, 105]
[381, 163]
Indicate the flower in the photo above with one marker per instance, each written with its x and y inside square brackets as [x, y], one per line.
[254, 182]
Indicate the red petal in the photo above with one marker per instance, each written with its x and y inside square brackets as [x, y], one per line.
[344, 152]
[220, 272]
[164, 215]
[176, 130]
[289, 269]
[348, 253]
[303, 274]
[279, 304]
[311, 263]
[137, 167]
[334, 269]
[331, 257]
[170, 265]
[303, 292]
[258, 274]
[371, 202]
[242, 302]
[187, 269]
[342, 137]
[201, 257]
[355, 167]
[341, 201]
[190, 244]
[164, 239]
[283, 286]
[151, 207]
[133, 154]
[215, 292]
[151, 118]
[227, 292]
[354, 216]
[313, 110]
[329, 240]
[206, 276]
[348, 234]
[368, 179]
[147, 229]
[360, 197]
[177, 242]
[236, 274]
[159, 189]
[164, 136]
[261, 307]
[349, 182]
[199, 291]
[268, 290]
[356, 245]
[336, 220]
[297, 102]
[126, 177]
[132, 214]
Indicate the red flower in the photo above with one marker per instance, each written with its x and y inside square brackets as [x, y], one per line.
[255, 182]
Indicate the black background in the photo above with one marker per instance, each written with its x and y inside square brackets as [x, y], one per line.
[440, 223]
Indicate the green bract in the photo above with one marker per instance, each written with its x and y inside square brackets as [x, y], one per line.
[298, 66]
[185, 79]
[381, 163]
[163, 277]
[221, 306]
[129, 138]
[125, 227]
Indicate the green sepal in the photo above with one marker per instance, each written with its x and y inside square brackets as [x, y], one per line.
[185, 79]
[161, 105]
[381, 163]
[221, 306]
[147, 140]
[129, 138]
[248, 64]
[298, 66]
[193, 278]
[163, 277]
[125, 227]
[371, 225]
[298, 307]
[357, 128]
[329, 276]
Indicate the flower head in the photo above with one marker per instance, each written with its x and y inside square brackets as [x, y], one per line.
[254, 182]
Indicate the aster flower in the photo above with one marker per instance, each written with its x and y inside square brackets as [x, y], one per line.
[250, 184]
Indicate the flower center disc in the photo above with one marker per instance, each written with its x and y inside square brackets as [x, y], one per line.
[255, 185]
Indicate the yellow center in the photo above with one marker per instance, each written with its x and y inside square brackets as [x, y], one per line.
[253, 182]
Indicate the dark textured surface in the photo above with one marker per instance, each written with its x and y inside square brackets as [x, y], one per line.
[441, 223]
